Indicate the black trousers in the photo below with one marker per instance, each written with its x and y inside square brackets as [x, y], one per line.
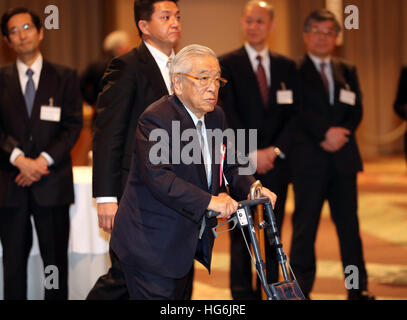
[113, 285]
[52, 226]
[241, 265]
[147, 286]
[310, 192]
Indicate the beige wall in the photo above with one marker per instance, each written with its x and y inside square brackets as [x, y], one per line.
[379, 48]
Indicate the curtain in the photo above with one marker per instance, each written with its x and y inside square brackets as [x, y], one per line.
[79, 38]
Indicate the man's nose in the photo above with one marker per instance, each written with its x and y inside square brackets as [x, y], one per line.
[213, 87]
[175, 22]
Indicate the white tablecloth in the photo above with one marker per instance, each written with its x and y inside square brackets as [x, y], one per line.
[88, 245]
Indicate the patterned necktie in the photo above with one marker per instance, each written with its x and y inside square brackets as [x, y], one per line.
[262, 81]
[203, 149]
[29, 92]
[324, 77]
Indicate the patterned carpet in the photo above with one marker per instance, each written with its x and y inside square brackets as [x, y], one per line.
[383, 223]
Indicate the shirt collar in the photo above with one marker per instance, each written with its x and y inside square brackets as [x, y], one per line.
[253, 53]
[317, 61]
[160, 57]
[36, 67]
[195, 119]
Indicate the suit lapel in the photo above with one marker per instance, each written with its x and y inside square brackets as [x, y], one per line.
[188, 123]
[338, 76]
[46, 88]
[315, 76]
[250, 79]
[210, 123]
[152, 71]
[17, 93]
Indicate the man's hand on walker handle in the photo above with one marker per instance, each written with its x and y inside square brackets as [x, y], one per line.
[223, 204]
[268, 194]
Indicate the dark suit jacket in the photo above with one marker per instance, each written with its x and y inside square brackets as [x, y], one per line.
[318, 115]
[400, 106]
[241, 98]
[159, 217]
[131, 83]
[34, 136]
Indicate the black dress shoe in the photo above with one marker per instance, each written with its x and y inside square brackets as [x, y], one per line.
[361, 295]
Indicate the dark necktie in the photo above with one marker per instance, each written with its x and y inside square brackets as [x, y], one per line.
[29, 92]
[262, 81]
[324, 77]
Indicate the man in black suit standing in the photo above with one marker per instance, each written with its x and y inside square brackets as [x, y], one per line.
[160, 225]
[326, 159]
[400, 106]
[40, 121]
[262, 94]
[131, 83]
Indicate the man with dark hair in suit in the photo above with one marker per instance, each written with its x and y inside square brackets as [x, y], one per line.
[40, 121]
[161, 225]
[131, 83]
[400, 106]
[326, 159]
[262, 94]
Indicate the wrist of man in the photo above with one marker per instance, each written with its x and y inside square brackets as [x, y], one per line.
[103, 200]
[15, 154]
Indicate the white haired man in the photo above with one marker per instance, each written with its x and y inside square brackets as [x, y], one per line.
[166, 223]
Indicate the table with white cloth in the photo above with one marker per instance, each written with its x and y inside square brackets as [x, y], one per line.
[88, 245]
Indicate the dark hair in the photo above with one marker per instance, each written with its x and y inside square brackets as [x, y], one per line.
[144, 9]
[14, 11]
[321, 15]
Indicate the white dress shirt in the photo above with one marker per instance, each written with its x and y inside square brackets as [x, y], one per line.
[22, 68]
[208, 159]
[328, 72]
[265, 55]
[162, 61]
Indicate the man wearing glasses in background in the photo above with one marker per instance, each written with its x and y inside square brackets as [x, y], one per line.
[263, 94]
[40, 122]
[326, 159]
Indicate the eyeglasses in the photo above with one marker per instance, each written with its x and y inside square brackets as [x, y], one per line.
[205, 81]
[326, 32]
[25, 28]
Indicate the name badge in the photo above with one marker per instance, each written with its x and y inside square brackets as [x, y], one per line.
[285, 97]
[347, 97]
[51, 112]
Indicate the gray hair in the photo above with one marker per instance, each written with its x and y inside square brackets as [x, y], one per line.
[262, 4]
[321, 15]
[114, 41]
[182, 61]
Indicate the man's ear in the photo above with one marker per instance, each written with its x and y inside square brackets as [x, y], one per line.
[5, 39]
[41, 33]
[177, 83]
[272, 25]
[143, 26]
